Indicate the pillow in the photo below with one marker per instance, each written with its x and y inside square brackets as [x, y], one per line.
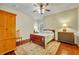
[48, 32]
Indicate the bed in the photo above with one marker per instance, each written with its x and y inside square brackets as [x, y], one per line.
[43, 38]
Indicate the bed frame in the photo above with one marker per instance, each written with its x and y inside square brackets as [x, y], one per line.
[52, 31]
[40, 40]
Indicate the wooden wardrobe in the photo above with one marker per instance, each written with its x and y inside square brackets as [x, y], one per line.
[7, 32]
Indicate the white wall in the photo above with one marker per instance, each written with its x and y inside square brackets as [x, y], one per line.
[55, 21]
[78, 26]
[24, 22]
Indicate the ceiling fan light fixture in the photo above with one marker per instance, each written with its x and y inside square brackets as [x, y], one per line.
[41, 7]
[38, 10]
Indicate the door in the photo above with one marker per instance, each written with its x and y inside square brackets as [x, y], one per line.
[2, 25]
[11, 32]
[11, 26]
[7, 32]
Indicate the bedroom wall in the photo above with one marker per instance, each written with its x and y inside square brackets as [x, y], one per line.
[24, 22]
[78, 26]
[55, 21]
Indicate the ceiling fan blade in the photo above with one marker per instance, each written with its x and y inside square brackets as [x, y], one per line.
[35, 11]
[47, 9]
[35, 5]
[46, 4]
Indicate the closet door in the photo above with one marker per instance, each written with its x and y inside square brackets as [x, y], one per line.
[2, 25]
[7, 32]
[10, 30]
[11, 25]
[8, 25]
[2, 32]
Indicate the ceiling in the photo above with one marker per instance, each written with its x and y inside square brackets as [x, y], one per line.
[28, 8]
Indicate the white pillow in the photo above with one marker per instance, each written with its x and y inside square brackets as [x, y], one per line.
[48, 32]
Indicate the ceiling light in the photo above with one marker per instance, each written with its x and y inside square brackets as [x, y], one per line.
[41, 8]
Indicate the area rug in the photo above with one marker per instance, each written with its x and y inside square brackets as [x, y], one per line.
[31, 48]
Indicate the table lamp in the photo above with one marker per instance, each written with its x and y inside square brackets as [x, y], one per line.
[64, 27]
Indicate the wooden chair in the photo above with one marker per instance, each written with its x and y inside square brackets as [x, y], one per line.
[18, 37]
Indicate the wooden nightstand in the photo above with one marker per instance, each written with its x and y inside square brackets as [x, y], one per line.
[67, 37]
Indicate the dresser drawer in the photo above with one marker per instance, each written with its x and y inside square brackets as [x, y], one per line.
[67, 37]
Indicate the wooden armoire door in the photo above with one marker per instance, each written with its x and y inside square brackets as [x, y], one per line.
[8, 31]
[11, 32]
[2, 25]
[2, 32]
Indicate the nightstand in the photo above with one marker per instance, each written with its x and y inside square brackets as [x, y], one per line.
[67, 37]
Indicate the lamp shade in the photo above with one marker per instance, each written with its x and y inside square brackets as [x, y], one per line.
[64, 27]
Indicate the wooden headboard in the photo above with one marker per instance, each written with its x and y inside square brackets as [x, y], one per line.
[50, 30]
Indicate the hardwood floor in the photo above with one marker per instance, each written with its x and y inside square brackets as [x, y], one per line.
[64, 49]
[68, 49]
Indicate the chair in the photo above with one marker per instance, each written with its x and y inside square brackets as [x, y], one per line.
[18, 37]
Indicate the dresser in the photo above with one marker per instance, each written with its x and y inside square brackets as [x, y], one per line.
[7, 32]
[67, 37]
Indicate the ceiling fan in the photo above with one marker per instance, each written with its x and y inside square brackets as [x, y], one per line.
[41, 7]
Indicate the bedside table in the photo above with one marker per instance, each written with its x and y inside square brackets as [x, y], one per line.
[67, 37]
